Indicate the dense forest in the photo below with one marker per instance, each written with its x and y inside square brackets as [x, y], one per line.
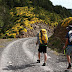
[54, 13]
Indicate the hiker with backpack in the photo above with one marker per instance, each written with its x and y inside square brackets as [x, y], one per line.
[42, 40]
[68, 45]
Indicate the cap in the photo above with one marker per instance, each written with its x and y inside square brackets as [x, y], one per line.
[69, 27]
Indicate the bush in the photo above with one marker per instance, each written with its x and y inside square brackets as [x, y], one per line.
[55, 43]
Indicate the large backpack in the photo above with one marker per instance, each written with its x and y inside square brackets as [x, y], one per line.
[70, 36]
[43, 36]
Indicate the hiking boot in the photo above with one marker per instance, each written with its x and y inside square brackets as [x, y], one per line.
[44, 64]
[69, 67]
[38, 61]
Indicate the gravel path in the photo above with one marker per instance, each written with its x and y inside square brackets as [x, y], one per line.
[20, 55]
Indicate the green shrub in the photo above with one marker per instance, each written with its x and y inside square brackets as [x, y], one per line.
[12, 36]
[55, 44]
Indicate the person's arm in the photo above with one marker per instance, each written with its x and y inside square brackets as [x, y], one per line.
[37, 42]
[66, 43]
[37, 39]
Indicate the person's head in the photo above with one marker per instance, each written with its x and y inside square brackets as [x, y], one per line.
[69, 27]
[43, 31]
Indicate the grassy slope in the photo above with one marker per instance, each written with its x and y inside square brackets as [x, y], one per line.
[23, 17]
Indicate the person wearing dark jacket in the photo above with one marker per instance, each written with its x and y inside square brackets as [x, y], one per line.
[68, 45]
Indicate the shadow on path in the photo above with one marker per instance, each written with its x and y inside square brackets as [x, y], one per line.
[62, 58]
[10, 67]
[69, 70]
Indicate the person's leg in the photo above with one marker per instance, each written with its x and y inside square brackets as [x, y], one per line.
[68, 52]
[39, 51]
[39, 55]
[38, 61]
[69, 61]
[68, 58]
[45, 57]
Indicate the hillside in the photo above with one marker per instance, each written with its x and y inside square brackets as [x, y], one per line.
[57, 40]
[70, 10]
[27, 17]
[28, 23]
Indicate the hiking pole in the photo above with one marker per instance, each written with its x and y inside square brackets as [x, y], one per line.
[34, 52]
[64, 52]
[65, 55]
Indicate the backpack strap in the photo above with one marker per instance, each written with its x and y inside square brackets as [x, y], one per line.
[68, 36]
[40, 37]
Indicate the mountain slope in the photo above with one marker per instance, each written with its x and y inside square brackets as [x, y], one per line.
[25, 19]
[18, 16]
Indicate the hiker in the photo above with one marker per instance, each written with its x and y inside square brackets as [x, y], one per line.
[68, 45]
[42, 40]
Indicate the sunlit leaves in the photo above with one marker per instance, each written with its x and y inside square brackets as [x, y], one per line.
[67, 22]
[24, 17]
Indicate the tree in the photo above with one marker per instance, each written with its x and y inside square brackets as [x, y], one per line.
[47, 4]
[5, 17]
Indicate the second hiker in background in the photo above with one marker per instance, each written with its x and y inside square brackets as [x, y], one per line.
[68, 45]
[42, 40]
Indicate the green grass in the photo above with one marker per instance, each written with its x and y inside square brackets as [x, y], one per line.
[55, 44]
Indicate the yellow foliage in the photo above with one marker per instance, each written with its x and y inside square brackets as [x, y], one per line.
[32, 22]
[31, 8]
[17, 32]
[26, 22]
[18, 20]
[25, 30]
[13, 34]
[20, 27]
[27, 17]
[7, 31]
[11, 13]
[66, 22]
[31, 27]
[8, 34]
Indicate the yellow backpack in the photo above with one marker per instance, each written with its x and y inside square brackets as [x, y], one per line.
[43, 36]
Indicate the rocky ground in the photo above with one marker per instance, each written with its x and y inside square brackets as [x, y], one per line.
[36, 28]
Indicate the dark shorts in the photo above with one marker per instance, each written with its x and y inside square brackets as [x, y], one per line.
[42, 49]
